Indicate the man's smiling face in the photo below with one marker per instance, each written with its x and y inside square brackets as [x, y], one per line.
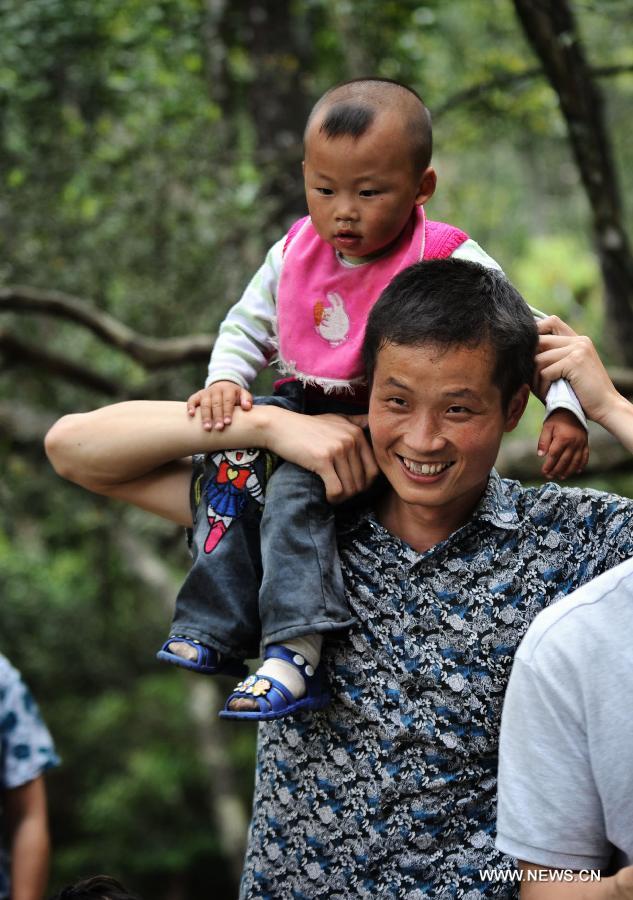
[436, 421]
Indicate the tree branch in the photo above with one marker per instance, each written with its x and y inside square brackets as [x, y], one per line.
[17, 352]
[152, 353]
[508, 79]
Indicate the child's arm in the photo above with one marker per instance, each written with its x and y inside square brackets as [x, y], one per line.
[244, 346]
[564, 440]
[564, 444]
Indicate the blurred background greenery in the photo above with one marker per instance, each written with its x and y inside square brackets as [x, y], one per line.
[150, 153]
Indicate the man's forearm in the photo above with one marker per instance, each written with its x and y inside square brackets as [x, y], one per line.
[125, 441]
[618, 420]
[29, 842]
[135, 451]
[30, 852]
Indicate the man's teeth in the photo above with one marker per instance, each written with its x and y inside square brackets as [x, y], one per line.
[425, 468]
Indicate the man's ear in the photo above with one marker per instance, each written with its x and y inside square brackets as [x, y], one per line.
[516, 407]
[426, 186]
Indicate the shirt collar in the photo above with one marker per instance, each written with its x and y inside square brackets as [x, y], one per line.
[497, 504]
[496, 507]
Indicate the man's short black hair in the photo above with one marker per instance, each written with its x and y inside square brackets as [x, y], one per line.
[99, 887]
[454, 303]
[352, 106]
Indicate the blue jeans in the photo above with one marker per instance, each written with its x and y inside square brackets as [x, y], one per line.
[261, 572]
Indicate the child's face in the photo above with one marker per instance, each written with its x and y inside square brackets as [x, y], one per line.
[361, 191]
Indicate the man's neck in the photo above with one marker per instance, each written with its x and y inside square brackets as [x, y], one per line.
[422, 527]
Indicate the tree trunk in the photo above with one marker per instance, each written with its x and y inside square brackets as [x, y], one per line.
[550, 28]
[273, 41]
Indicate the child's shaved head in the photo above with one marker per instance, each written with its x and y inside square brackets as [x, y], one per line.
[351, 107]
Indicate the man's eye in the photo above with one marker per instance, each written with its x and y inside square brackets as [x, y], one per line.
[458, 409]
[369, 193]
[396, 401]
[325, 192]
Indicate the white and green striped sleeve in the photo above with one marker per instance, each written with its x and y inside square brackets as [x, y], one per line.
[472, 252]
[246, 339]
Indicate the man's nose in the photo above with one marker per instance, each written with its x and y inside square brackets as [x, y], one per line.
[425, 434]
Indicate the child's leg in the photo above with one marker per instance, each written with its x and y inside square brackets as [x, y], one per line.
[302, 594]
[217, 606]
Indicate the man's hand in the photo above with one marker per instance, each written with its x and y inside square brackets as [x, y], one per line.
[623, 884]
[333, 447]
[564, 443]
[542, 887]
[217, 402]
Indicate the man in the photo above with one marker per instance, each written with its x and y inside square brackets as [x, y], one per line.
[26, 752]
[566, 748]
[391, 791]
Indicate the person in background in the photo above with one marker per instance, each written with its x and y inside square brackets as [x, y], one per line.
[565, 806]
[99, 887]
[26, 752]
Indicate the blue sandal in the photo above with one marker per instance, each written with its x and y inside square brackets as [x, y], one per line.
[207, 662]
[273, 698]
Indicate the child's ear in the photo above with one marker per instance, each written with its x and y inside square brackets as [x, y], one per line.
[426, 186]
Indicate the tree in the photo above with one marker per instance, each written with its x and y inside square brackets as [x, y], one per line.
[550, 27]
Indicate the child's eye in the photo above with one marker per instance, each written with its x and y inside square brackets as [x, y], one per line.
[369, 193]
[325, 192]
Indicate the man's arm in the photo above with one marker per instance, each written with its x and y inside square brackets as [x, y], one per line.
[138, 451]
[564, 354]
[29, 842]
[615, 887]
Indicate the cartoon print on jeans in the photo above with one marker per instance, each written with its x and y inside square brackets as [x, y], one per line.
[331, 322]
[228, 491]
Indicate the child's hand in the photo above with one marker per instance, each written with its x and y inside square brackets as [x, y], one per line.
[565, 445]
[216, 403]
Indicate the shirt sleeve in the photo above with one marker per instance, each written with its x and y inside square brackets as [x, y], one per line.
[247, 337]
[549, 810]
[472, 252]
[27, 747]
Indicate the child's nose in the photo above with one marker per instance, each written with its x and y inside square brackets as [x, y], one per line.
[346, 210]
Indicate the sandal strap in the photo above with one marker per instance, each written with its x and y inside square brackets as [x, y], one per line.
[297, 660]
[272, 693]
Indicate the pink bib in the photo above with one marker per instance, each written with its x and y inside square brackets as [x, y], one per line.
[323, 304]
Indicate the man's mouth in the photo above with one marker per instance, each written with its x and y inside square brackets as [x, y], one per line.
[420, 468]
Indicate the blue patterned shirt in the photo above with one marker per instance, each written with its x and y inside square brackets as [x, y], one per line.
[26, 748]
[390, 792]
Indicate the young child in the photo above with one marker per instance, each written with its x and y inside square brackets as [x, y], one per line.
[367, 175]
